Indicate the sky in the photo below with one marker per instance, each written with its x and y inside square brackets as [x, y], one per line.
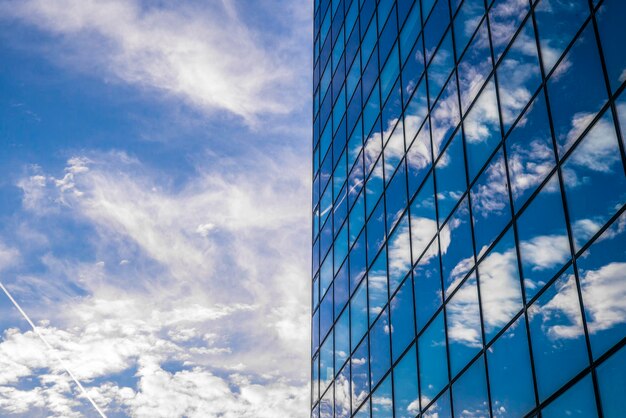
[154, 208]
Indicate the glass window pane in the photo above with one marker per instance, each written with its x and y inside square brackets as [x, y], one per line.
[519, 74]
[376, 231]
[379, 348]
[358, 315]
[394, 148]
[358, 262]
[482, 130]
[377, 286]
[402, 317]
[315, 379]
[427, 286]
[612, 30]
[558, 21]
[578, 402]
[326, 404]
[342, 339]
[530, 154]
[602, 270]
[543, 241]
[433, 361]
[382, 400]
[434, 29]
[500, 292]
[491, 209]
[441, 66]
[577, 90]
[423, 218]
[416, 110]
[440, 408]
[467, 20]
[342, 393]
[510, 373]
[360, 375]
[557, 335]
[406, 402]
[457, 253]
[418, 159]
[450, 175]
[474, 67]
[505, 17]
[395, 196]
[594, 180]
[445, 116]
[327, 373]
[464, 330]
[612, 384]
[399, 248]
[469, 392]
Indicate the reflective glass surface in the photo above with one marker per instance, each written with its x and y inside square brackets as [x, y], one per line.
[469, 238]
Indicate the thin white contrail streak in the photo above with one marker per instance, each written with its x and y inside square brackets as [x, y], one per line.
[82, 389]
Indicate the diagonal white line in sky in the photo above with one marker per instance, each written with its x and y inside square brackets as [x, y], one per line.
[54, 352]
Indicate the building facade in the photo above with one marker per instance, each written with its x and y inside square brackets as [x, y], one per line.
[469, 235]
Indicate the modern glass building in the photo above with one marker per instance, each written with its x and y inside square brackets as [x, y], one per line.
[469, 235]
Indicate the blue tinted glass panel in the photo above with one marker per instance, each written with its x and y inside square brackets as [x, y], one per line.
[342, 339]
[464, 330]
[382, 400]
[543, 241]
[601, 269]
[439, 408]
[474, 66]
[358, 315]
[530, 153]
[457, 253]
[500, 291]
[510, 373]
[505, 17]
[378, 292]
[342, 393]
[558, 21]
[612, 30]
[423, 218]
[594, 180]
[445, 116]
[402, 319]
[467, 20]
[380, 357]
[491, 209]
[579, 401]
[433, 362]
[612, 384]
[577, 90]
[519, 75]
[441, 66]
[557, 335]
[399, 248]
[360, 375]
[327, 404]
[469, 392]
[406, 401]
[482, 130]
[450, 175]
[427, 286]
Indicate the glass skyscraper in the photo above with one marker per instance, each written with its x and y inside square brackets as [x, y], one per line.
[469, 235]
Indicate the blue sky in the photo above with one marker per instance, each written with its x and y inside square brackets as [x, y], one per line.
[155, 197]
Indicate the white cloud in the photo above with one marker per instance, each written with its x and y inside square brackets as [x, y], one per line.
[246, 292]
[204, 53]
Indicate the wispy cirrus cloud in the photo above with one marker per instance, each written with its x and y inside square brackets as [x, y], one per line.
[202, 53]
